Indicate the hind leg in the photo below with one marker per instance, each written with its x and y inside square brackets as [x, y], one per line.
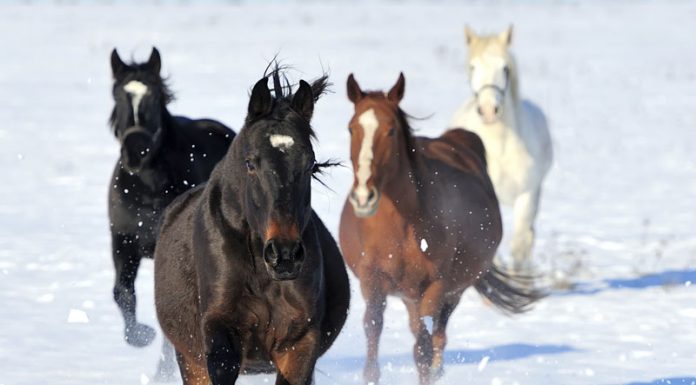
[525, 211]
[192, 374]
[126, 258]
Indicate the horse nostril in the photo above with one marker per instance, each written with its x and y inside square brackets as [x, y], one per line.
[371, 196]
[270, 253]
[479, 110]
[299, 252]
[495, 110]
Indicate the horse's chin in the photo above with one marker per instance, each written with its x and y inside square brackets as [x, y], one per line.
[284, 276]
[365, 212]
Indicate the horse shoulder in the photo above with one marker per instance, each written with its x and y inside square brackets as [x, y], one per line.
[535, 131]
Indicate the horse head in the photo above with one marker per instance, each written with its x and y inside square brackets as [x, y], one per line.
[491, 72]
[381, 140]
[277, 164]
[141, 96]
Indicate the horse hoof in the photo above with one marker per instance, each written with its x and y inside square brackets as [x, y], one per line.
[437, 373]
[166, 372]
[139, 335]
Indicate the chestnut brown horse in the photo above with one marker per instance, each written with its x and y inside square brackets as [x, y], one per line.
[421, 223]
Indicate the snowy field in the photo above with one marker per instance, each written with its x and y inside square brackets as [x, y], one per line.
[616, 234]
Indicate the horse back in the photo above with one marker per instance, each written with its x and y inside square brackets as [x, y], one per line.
[210, 136]
[458, 148]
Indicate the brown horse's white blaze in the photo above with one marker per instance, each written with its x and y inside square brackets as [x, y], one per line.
[365, 196]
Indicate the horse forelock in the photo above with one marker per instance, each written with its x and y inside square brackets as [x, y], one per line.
[137, 74]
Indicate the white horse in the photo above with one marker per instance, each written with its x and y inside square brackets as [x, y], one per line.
[514, 132]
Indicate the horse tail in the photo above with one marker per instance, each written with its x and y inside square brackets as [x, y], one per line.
[512, 294]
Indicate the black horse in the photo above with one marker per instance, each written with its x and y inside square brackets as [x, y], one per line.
[161, 157]
[247, 277]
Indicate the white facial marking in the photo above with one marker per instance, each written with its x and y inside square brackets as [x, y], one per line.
[369, 123]
[424, 245]
[136, 90]
[282, 142]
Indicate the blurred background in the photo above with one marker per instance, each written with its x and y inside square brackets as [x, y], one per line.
[615, 235]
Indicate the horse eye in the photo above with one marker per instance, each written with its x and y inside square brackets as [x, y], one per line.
[391, 132]
[313, 167]
[250, 165]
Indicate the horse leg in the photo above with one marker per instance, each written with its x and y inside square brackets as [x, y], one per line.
[192, 374]
[166, 366]
[423, 347]
[222, 352]
[126, 258]
[525, 210]
[375, 302]
[296, 363]
[440, 338]
[422, 318]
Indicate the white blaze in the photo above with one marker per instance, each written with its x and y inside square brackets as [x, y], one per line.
[281, 142]
[136, 90]
[369, 123]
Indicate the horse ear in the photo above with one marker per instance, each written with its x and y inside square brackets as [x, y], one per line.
[154, 63]
[505, 37]
[354, 91]
[303, 101]
[260, 102]
[470, 35]
[397, 92]
[117, 65]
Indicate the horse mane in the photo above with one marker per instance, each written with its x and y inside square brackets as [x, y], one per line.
[404, 121]
[283, 91]
[139, 71]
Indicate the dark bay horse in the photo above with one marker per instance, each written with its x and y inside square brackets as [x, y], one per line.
[421, 223]
[247, 278]
[161, 157]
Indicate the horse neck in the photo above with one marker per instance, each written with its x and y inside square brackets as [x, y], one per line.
[403, 186]
[511, 101]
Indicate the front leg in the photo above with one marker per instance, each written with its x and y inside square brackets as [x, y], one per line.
[222, 352]
[525, 211]
[126, 256]
[296, 363]
[373, 321]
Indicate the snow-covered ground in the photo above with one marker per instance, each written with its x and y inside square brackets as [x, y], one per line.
[618, 218]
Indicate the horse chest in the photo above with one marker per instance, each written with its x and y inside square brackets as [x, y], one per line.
[271, 321]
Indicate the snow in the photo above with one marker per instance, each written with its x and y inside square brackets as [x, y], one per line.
[617, 217]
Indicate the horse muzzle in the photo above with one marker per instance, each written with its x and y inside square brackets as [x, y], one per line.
[137, 148]
[364, 204]
[283, 258]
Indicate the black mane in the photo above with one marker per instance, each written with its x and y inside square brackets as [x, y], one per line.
[283, 93]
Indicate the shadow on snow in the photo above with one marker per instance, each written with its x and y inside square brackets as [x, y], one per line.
[452, 357]
[665, 278]
[668, 381]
